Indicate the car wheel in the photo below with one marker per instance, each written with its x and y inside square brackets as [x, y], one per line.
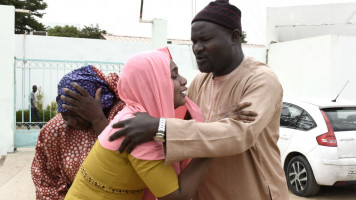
[300, 177]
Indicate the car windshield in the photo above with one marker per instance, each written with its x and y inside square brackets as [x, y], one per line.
[342, 119]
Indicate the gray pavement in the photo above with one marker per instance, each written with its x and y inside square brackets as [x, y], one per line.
[16, 182]
[15, 176]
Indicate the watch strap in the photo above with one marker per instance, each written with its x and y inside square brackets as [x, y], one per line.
[160, 135]
[162, 125]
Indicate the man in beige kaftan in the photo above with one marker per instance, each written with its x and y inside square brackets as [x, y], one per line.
[246, 162]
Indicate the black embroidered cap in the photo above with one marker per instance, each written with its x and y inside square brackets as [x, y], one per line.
[221, 12]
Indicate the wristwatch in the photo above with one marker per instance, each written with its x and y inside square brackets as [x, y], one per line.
[160, 136]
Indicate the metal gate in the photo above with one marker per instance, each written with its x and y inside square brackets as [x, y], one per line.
[46, 74]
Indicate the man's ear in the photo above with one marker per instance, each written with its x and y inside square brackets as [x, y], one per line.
[235, 35]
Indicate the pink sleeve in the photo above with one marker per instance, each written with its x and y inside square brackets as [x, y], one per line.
[108, 131]
[151, 150]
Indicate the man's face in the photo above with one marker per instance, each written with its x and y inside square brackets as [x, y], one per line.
[212, 47]
[34, 88]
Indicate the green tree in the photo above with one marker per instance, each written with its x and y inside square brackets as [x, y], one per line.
[64, 31]
[27, 22]
[45, 114]
[52, 109]
[91, 32]
[71, 31]
[243, 37]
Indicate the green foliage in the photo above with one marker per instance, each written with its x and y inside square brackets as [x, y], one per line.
[19, 116]
[64, 31]
[27, 22]
[72, 31]
[45, 115]
[243, 37]
[52, 108]
[91, 32]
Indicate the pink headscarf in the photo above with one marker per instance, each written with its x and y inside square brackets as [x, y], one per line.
[145, 85]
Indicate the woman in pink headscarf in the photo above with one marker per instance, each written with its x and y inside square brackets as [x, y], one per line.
[150, 83]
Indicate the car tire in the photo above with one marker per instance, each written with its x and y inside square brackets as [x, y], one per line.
[300, 177]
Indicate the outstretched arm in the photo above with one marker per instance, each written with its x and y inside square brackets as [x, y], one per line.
[143, 127]
[190, 179]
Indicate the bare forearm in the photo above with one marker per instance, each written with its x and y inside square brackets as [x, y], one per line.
[192, 176]
[190, 179]
[99, 124]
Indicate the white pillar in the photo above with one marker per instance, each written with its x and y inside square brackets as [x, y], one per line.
[159, 33]
[7, 52]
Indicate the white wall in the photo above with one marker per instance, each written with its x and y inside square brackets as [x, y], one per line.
[344, 66]
[316, 67]
[259, 53]
[78, 49]
[7, 20]
[299, 22]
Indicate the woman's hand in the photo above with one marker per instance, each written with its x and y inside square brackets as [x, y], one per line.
[236, 112]
[86, 106]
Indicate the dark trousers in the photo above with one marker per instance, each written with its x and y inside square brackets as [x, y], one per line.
[34, 112]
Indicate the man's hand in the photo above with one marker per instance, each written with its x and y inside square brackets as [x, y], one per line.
[236, 112]
[136, 130]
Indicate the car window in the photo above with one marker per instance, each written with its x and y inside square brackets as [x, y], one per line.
[305, 122]
[290, 115]
[342, 119]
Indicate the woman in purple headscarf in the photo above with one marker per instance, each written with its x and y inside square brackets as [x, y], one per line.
[67, 138]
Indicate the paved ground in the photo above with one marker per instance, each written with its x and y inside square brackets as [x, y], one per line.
[15, 176]
[16, 183]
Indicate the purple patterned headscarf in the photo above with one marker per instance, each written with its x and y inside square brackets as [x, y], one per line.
[87, 78]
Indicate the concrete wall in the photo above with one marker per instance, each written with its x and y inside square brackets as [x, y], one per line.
[78, 49]
[62, 48]
[7, 24]
[257, 52]
[344, 65]
[316, 67]
[300, 22]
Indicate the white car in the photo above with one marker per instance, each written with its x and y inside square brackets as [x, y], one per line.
[318, 144]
